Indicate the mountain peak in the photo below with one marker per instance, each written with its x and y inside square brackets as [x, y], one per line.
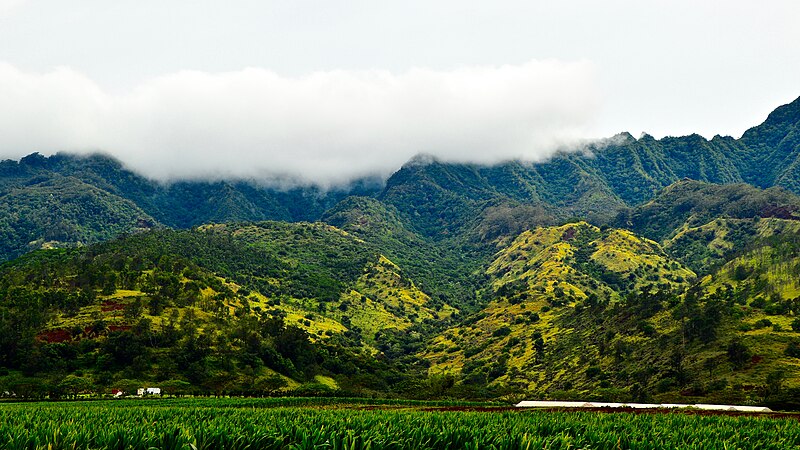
[420, 160]
[785, 114]
[623, 138]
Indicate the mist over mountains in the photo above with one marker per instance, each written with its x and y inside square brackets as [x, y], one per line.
[634, 269]
[436, 198]
[327, 128]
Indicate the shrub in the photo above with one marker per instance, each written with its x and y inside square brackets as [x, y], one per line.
[502, 331]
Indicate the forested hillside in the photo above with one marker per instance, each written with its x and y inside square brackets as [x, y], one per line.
[220, 307]
[632, 269]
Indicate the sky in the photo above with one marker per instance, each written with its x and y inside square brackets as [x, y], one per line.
[325, 91]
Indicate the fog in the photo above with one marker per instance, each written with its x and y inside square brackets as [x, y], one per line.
[324, 128]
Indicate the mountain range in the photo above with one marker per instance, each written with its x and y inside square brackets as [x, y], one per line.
[628, 269]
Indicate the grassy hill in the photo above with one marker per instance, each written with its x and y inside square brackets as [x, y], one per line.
[587, 313]
[538, 284]
[632, 269]
[272, 301]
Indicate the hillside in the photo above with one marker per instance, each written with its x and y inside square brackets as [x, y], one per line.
[580, 312]
[688, 204]
[438, 200]
[538, 285]
[706, 247]
[444, 269]
[632, 269]
[216, 307]
[64, 211]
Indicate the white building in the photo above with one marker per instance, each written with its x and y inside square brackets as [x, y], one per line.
[148, 391]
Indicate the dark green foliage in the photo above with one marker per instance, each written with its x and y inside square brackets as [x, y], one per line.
[738, 354]
[793, 349]
[694, 203]
[66, 199]
[441, 223]
[63, 211]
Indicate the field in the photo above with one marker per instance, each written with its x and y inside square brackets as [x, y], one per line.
[346, 424]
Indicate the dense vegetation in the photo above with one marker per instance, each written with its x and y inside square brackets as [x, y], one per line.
[601, 274]
[248, 309]
[248, 424]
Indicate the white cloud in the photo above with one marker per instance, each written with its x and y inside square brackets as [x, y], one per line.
[7, 5]
[324, 128]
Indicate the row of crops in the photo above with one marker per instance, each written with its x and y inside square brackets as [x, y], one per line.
[226, 424]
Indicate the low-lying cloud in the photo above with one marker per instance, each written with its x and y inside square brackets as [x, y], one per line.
[325, 128]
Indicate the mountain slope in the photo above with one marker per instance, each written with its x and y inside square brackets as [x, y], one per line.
[299, 300]
[580, 312]
[181, 204]
[64, 211]
[597, 182]
[543, 277]
[686, 204]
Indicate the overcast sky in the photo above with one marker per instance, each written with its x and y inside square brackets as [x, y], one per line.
[323, 91]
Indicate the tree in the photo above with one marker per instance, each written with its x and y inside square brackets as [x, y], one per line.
[738, 354]
[775, 381]
[270, 384]
[73, 385]
[176, 387]
[793, 349]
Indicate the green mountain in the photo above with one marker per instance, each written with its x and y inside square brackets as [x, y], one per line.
[632, 269]
[587, 313]
[179, 205]
[64, 211]
[218, 307]
[441, 199]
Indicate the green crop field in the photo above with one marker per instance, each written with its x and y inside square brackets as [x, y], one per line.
[307, 424]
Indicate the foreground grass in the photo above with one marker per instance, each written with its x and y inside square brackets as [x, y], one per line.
[255, 424]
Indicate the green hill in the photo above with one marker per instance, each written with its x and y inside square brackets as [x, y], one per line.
[587, 313]
[216, 307]
[539, 284]
[631, 269]
[64, 211]
[688, 204]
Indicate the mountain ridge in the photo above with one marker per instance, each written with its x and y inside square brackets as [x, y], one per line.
[635, 269]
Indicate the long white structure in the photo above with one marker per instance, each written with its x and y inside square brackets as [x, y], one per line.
[555, 404]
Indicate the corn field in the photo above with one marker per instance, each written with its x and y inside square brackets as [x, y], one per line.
[253, 424]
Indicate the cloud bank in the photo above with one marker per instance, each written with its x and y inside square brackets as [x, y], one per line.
[325, 128]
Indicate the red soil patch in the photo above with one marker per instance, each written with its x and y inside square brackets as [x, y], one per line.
[781, 212]
[110, 305]
[54, 336]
